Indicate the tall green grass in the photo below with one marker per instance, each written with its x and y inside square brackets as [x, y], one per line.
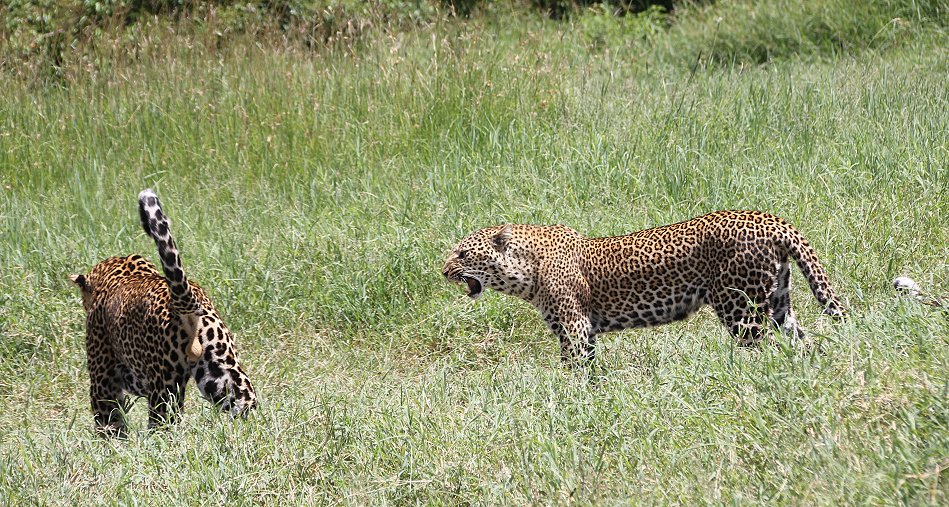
[315, 195]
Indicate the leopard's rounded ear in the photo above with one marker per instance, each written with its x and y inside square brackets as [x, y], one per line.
[79, 280]
[502, 238]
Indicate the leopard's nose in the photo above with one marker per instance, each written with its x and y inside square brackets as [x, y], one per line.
[449, 268]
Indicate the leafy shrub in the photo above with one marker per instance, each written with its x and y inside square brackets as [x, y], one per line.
[42, 35]
[462, 8]
[747, 31]
[606, 26]
[558, 9]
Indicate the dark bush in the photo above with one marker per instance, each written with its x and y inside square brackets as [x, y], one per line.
[558, 9]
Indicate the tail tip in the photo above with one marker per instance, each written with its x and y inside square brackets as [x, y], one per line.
[144, 195]
[147, 201]
[836, 311]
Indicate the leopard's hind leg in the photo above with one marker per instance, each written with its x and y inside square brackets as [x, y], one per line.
[106, 389]
[743, 313]
[166, 400]
[782, 315]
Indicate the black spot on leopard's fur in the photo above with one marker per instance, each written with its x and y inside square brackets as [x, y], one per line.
[734, 261]
[147, 333]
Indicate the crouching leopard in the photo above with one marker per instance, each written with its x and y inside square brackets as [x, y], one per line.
[734, 261]
[146, 334]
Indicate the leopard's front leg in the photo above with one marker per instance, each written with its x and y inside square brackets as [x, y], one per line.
[577, 340]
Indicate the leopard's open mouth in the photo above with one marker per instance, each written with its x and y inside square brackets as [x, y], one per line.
[474, 286]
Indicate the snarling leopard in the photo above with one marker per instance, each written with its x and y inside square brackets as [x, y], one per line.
[734, 261]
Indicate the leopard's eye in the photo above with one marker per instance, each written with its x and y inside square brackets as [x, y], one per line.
[462, 254]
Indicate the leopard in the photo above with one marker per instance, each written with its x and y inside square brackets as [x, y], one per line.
[735, 261]
[148, 333]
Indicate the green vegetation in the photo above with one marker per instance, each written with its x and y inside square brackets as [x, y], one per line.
[316, 189]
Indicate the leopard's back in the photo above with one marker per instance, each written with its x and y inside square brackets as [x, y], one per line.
[723, 259]
[132, 311]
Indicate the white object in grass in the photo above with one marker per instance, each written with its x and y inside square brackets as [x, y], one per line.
[907, 285]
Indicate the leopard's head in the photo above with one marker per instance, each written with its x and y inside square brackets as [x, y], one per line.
[85, 290]
[494, 257]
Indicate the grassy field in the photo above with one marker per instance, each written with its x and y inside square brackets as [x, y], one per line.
[315, 194]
